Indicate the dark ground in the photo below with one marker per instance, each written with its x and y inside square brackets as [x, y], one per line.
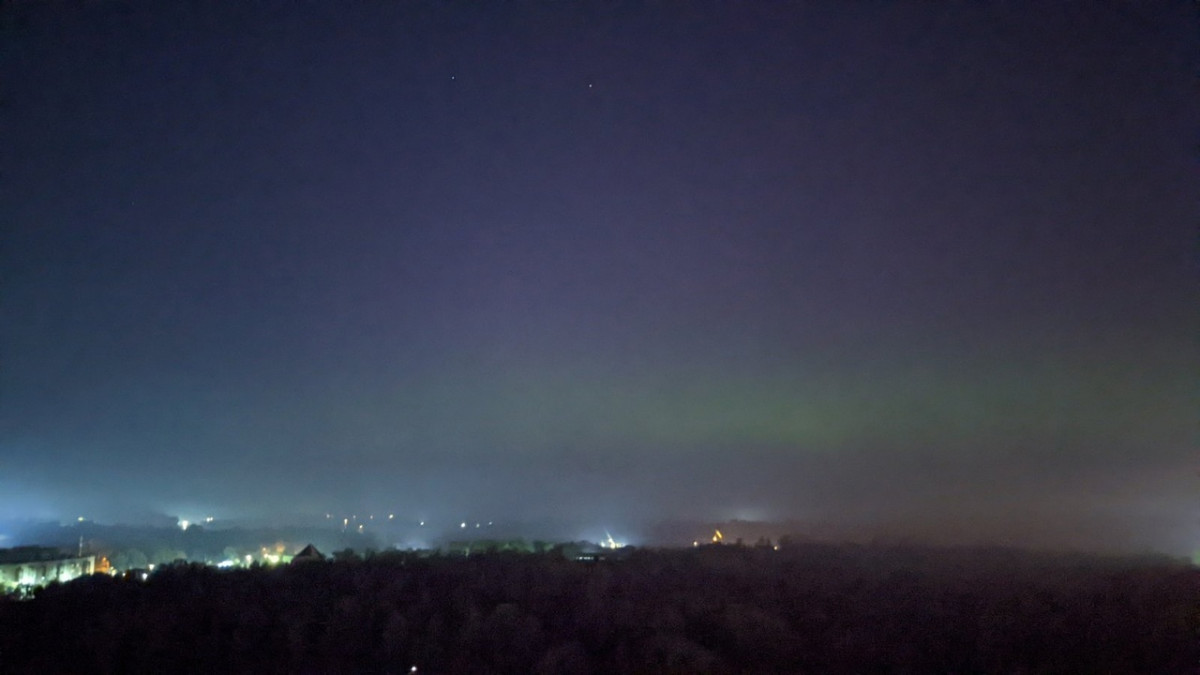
[809, 608]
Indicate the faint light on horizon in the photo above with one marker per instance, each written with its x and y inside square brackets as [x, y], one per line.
[611, 543]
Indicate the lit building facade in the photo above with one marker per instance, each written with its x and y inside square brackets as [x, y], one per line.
[40, 569]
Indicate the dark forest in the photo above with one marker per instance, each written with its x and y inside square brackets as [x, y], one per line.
[808, 608]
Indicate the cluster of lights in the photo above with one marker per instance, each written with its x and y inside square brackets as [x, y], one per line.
[611, 543]
[391, 517]
[183, 523]
[360, 526]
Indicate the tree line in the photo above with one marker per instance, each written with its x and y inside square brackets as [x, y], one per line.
[808, 608]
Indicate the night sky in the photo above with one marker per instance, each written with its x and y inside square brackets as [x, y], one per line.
[919, 268]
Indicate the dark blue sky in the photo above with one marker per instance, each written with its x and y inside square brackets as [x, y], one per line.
[924, 266]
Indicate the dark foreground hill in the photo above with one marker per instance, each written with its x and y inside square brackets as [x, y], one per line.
[810, 609]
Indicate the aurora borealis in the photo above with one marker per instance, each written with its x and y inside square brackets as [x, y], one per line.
[920, 266]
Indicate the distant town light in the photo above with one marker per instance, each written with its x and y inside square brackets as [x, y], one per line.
[422, 523]
[611, 543]
[81, 519]
[183, 524]
[391, 516]
[462, 524]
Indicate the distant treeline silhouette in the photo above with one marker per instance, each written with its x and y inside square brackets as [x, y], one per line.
[808, 608]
